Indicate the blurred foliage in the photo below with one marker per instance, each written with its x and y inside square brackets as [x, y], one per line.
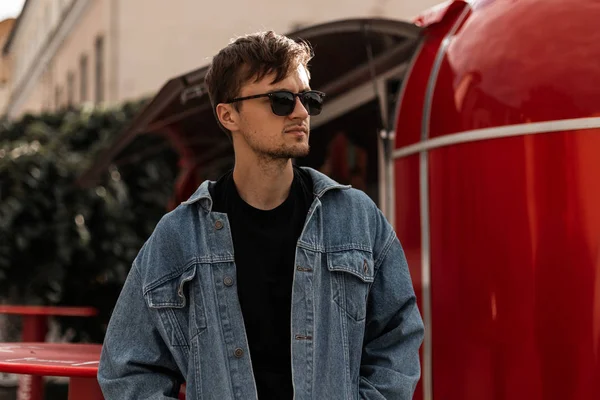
[61, 244]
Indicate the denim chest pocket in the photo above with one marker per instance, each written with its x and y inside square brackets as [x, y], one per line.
[179, 304]
[351, 277]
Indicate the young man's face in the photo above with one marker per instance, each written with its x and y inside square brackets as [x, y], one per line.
[268, 135]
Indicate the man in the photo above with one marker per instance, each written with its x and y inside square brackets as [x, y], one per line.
[274, 282]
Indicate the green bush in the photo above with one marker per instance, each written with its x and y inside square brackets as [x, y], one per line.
[61, 244]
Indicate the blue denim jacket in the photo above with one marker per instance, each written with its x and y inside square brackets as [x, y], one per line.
[356, 329]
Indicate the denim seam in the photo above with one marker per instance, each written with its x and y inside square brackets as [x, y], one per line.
[327, 189]
[310, 322]
[201, 303]
[197, 366]
[180, 337]
[384, 253]
[335, 249]
[344, 323]
[351, 271]
[170, 276]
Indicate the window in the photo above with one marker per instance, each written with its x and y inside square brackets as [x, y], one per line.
[99, 50]
[83, 78]
[70, 89]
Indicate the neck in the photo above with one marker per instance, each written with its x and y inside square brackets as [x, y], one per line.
[263, 184]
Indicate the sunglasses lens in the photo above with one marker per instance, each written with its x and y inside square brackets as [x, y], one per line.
[313, 102]
[282, 103]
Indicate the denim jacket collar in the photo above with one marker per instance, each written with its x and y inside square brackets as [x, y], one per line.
[321, 184]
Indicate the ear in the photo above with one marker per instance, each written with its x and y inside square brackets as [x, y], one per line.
[228, 116]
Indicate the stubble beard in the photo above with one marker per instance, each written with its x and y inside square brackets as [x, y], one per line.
[281, 153]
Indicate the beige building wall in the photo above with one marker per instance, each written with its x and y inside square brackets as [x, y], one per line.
[145, 42]
[35, 33]
[155, 45]
[73, 67]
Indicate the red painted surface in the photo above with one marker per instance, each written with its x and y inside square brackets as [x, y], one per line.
[514, 222]
[515, 272]
[48, 310]
[35, 328]
[77, 361]
[440, 13]
[410, 113]
[408, 226]
[517, 62]
[409, 124]
[54, 359]
[84, 388]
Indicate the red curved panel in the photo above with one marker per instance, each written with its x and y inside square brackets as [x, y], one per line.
[408, 226]
[515, 268]
[410, 116]
[517, 62]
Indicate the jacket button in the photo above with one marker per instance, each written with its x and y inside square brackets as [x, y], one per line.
[219, 225]
[366, 266]
[239, 353]
[228, 281]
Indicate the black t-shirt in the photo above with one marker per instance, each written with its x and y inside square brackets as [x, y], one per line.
[265, 249]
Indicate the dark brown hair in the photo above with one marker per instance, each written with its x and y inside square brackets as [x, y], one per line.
[249, 57]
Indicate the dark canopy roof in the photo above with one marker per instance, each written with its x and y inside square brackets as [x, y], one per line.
[341, 63]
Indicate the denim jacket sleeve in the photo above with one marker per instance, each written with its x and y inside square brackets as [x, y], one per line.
[135, 362]
[390, 366]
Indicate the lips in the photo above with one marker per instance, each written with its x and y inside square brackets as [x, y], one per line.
[296, 129]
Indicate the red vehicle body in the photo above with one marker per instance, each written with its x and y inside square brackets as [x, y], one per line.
[476, 129]
[497, 199]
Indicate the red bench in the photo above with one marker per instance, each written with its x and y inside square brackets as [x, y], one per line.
[35, 329]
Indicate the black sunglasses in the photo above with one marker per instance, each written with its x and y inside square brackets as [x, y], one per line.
[283, 102]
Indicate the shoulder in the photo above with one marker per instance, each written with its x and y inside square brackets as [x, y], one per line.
[337, 198]
[170, 248]
[352, 214]
[173, 221]
[351, 201]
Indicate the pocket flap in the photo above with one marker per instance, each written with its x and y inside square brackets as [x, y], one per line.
[169, 293]
[356, 262]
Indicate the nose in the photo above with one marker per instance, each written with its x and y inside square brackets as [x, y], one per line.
[300, 111]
